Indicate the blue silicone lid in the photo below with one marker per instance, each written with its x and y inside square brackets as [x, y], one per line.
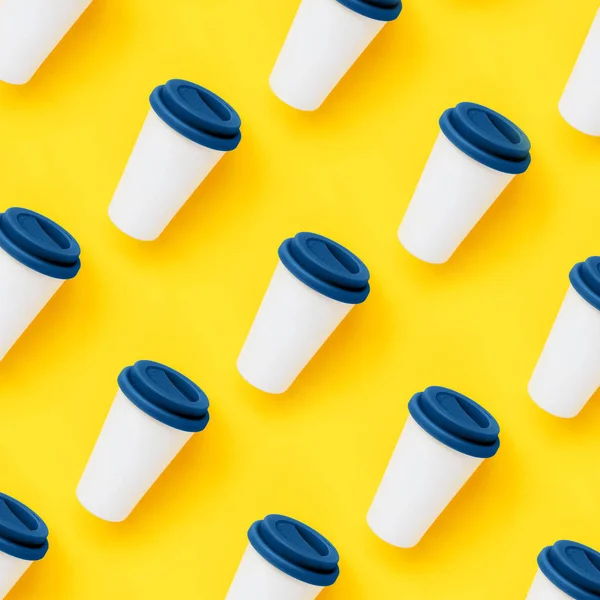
[487, 137]
[166, 395]
[295, 549]
[572, 568]
[197, 114]
[585, 278]
[379, 10]
[39, 243]
[23, 534]
[456, 421]
[326, 266]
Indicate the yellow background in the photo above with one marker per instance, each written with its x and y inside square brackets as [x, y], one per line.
[347, 171]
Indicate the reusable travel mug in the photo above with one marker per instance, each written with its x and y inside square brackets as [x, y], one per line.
[156, 411]
[30, 30]
[445, 438]
[36, 257]
[23, 540]
[187, 131]
[580, 102]
[476, 155]
[285, 560]
[316, 283]
[326, 38]
[567, 570]
[568, 371]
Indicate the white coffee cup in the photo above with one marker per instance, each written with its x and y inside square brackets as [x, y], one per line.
[445, 439]
[155, 412]
[187, 131]
[568, 371]
[30, 30]
[567, 571]
[580, 102]
[325, 39]
[23, 541]
[284, 560]
[36, 257]
[476, 155]
[316, 283]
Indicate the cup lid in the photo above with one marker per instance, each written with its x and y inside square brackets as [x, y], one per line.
[573, 568]
[295, 549]
[585, 278]
[39, 243]
[326, 266]
[198, 114]
[23, 533]
[166, 395]
[487, 137]
[379, 10]
[456, 421]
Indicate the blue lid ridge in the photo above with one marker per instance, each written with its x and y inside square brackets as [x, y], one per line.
[585, 278]
[295, 549]
[456, 421]
[573, 568]
[198, 114]
[326, 267]
[379, 10]
[23, 534]
[39, 243]
[166, 395]
[487, 137]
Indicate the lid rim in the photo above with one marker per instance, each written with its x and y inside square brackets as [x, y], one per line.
[222, 143]
[559, 580]
[313, 281]
[438, 432]
[484, 157]
[32, 553]
[53, 269]
[374, 10]
[323, 579]
[167, 417]
[581, 286]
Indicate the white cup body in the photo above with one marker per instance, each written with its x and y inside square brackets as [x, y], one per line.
[292, 323]
[24, 292]
[421, 479]
[131, 452]
[11, 570]
[454, 192]
[324, 41]
[580, 102]
[543, 589]
[568, 371]
[257, 579]
[163, 171]
[30, 30]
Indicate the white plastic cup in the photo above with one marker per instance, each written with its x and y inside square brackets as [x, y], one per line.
[325, 39]
[580, 102]
[284, 565]
[543, 589]
[145, 429]
[568, 371]
[425, 473]
[30, 30]
[11, 570]
[23, 541]
[257, 579]
[32, 248]
[475, 157]
[567, 571]
[300, 310]
[187, 131]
